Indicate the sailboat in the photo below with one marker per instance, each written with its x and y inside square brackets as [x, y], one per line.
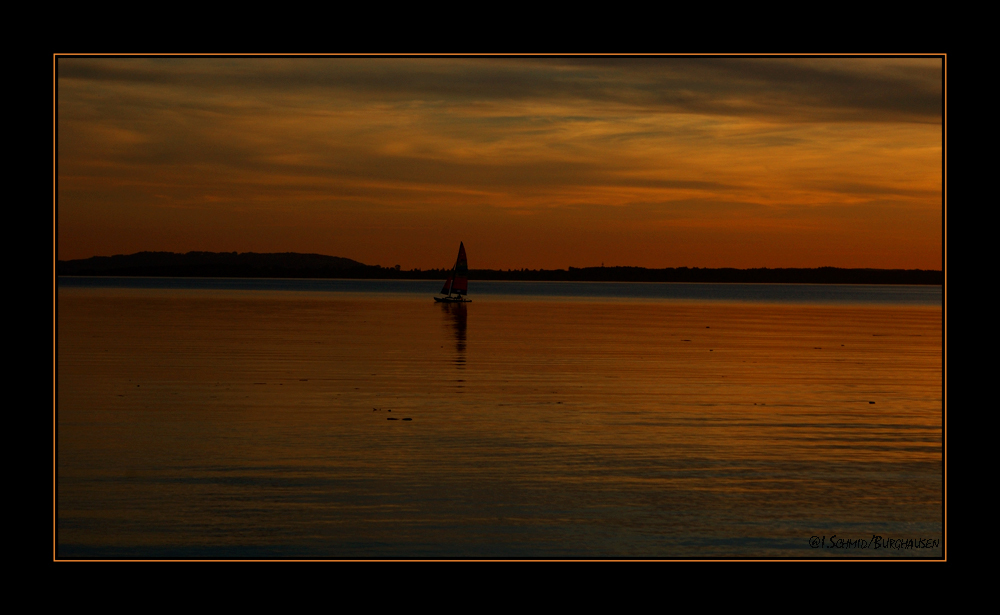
[457, 284]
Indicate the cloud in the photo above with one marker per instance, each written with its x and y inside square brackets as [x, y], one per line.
[826, 89]
[341, 140]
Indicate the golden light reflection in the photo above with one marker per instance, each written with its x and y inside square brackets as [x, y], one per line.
[228, 423]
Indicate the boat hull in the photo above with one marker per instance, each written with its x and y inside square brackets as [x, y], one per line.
[452, 300]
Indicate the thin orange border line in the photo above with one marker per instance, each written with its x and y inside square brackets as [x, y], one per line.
[944, 286]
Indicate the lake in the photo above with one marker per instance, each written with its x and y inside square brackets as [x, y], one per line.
[212, 418]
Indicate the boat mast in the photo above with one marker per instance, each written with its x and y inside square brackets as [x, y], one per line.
[454, 272]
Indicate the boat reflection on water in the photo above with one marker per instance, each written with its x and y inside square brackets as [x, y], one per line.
[227, 423]
[456, 317]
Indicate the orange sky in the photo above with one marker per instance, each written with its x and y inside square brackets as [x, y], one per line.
[538, 163]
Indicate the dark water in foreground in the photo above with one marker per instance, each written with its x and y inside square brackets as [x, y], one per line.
[230, 423]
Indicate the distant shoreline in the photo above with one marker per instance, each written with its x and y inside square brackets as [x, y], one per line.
[294, 265]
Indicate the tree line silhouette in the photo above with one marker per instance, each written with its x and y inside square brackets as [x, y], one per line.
[295, 265]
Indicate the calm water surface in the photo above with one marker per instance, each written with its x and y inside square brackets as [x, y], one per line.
[255, 422]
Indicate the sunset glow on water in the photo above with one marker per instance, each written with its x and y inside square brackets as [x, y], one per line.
[227, 423]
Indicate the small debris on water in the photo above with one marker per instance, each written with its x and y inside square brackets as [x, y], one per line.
[391, 419]
[871, 402]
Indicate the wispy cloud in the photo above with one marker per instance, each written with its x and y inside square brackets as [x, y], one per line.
[421, 141]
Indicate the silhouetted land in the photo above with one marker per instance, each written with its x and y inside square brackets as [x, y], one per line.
[294, 265]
